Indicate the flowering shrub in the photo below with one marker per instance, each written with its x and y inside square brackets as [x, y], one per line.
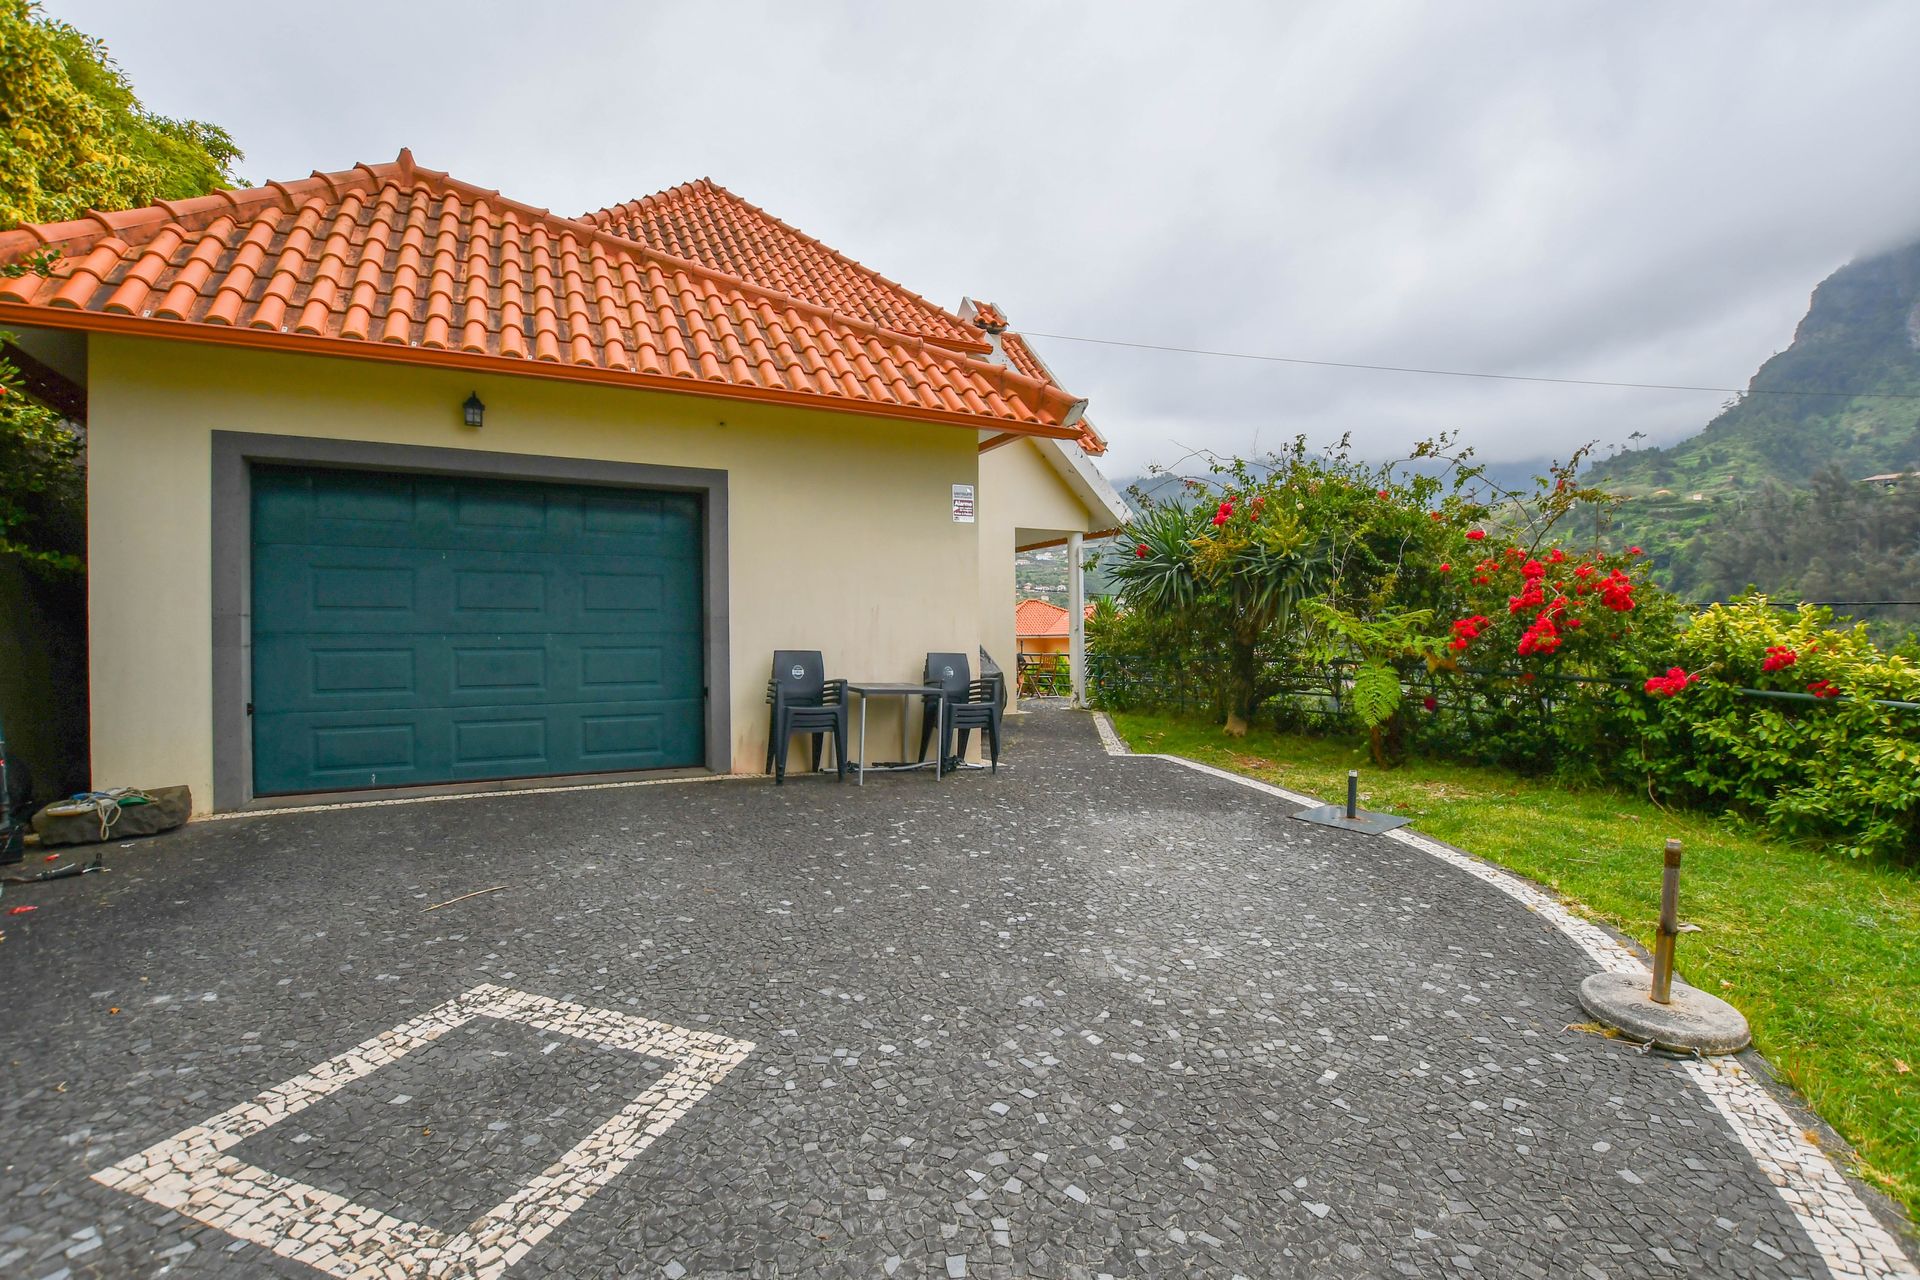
[1839, 764]
[1354, 597]
[1669, 684]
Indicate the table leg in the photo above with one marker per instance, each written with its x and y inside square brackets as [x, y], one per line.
[939, 736]
[906, 708]
[860, 774]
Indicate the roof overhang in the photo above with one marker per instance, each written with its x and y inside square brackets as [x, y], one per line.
[1095, 492]
[261, 339]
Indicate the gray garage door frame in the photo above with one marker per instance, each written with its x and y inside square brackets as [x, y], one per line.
[235, 452]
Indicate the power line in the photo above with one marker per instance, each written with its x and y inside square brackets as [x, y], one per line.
[1464, 373]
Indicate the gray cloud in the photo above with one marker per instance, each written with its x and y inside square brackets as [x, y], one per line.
[1635, 191]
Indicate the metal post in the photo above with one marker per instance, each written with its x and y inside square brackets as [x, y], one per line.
[12, 836]
[1353, 794]
[1669, 929]
[1076, 619]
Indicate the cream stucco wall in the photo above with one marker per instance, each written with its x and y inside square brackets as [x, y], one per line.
[840, 537]
[1019, 490]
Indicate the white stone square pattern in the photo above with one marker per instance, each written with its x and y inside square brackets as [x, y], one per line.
[191, 1173]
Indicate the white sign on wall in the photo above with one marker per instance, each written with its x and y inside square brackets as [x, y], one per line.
[963, 504]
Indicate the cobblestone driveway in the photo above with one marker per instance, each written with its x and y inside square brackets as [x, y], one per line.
[1087, 1017]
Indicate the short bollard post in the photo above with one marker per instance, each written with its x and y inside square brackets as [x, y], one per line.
[1672, 1014]
[1351, 817]
[1669, 930]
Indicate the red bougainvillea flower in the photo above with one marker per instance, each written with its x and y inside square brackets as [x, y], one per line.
[1779, 656]
[1555, 556]
[1526, 677]
[1140, 552]
[1583, 571]
[1430, 702]
[1540, 638]
[1515, 553]
[1671, 683]
[1436, 515]
[1382, 494]
[1474, 535]
[1533, 569]
[1824, 689]
[1616, 592]
[1635, 551]
[1531, 597]
[1445, 567]
[1465, 630]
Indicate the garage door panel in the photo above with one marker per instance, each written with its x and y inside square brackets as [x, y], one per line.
[427, 629]
[336, 672]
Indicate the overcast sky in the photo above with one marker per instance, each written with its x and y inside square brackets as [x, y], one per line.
[1634, 191]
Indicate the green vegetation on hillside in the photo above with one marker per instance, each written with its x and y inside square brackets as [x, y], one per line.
[1785, 468]
[1859, 335]
[1819, 953]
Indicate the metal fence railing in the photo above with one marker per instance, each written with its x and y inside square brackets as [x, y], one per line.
[1127, 683]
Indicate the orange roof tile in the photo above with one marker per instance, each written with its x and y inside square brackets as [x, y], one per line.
[394, 262]
[989, 317]
[1021, 357]
[704, 222]
[1039, 618]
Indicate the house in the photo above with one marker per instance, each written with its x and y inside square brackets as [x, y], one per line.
[395, 481]
[1041, 627]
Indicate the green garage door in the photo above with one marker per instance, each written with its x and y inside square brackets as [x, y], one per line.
[416, 629]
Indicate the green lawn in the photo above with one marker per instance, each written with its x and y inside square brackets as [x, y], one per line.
[1822, 954]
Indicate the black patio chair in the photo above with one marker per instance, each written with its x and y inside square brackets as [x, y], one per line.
[947, 676]
[803, 700]
[969, 705]
[979, 708]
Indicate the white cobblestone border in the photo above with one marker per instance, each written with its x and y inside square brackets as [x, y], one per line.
[1849, 1238]
[189, 1172]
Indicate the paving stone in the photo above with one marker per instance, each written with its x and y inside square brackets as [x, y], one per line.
[1090, 1017]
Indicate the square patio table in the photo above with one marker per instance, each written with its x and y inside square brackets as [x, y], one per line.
[870, 689]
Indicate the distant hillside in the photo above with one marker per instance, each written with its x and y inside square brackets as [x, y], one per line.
[1769, 494]
[1861, 334]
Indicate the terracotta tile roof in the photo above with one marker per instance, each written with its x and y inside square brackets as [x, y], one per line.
[1039, 618]
[989, 317]
[1043, 618]
[1020, 356]
[1014, 352]
[395, 262]
[704, 222]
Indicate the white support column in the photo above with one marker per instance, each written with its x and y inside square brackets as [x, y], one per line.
[1077, 619]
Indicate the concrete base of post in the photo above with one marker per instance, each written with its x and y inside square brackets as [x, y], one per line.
[1694, 1022]
[1363, 820]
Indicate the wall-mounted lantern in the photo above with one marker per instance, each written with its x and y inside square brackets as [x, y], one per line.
[473, 409]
